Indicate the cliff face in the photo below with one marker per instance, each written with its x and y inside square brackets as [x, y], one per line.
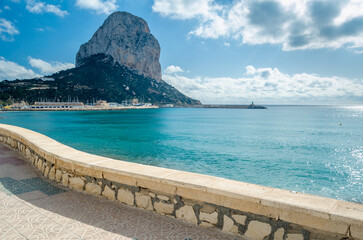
[127, 39]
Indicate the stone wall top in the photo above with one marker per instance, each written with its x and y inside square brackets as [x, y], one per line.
[315, 212]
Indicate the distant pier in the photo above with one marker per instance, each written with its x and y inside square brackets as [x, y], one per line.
[251, 106]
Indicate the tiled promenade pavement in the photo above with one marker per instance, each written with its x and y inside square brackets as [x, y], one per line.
[33, 208]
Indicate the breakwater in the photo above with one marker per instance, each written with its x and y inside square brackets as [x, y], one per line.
[251, 106]
[250, 210]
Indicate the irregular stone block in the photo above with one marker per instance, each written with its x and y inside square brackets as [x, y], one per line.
[228, 224]
[58, 175]
[294, 236]
[206, 224]
[187, 213]
[234, 229]
[125, 196]
[209, 217]
[44, 165]
[241, 219]
[51, 175]
[40, 164]
[152, 194]
[143, 201]
[279, 234]
[108, 193]
[27, 153]
[208, 208]
[93, 188]
[76, 183]
[46, 171]
[258, 230]
[164, 198]
[163, 208]
[65, 179]
[356, 231]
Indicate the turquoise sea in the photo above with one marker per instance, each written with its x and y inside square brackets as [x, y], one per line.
[311, 149]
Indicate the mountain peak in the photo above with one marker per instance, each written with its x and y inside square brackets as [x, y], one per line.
[127, 39]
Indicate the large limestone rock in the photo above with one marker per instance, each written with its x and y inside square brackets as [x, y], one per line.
[163, 208]
[93, 188]
[128, 40]
[76, 183]
[228, 225]
[187, 213]
[125, 196]
[258, 230]
[209, 217]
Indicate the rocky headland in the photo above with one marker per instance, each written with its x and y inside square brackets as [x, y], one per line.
[119, 62]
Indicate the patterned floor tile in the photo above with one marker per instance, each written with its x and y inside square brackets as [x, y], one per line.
[40, 185]
[17, 173]
[6, 154]
[110, 236]
[14, 214]
[12, 234]
[4, 228]
[47, 230]
[4, 148]
[21, 172]
[66, 234]
[4, 189]
[31, 196]
[12, 160]
[13, 186]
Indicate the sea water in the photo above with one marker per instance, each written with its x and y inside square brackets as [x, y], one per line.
[310, 149]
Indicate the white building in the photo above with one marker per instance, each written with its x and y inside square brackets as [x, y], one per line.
[57, 105]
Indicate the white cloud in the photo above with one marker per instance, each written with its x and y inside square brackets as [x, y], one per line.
[47, 68]
[268, 85]
[99, 6]
[38, 7]
[11, 70]
[183, 9]
[173, 69]
[7, 7]
[250, 70]
[293, 24]
[7, 30]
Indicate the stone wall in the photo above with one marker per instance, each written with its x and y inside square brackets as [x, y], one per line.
[253, 211]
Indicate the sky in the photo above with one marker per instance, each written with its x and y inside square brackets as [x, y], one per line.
[217, 51]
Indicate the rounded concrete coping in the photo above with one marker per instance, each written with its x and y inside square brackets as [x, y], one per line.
[325, 214]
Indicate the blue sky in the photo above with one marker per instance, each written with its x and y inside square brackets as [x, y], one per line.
[269, 51]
